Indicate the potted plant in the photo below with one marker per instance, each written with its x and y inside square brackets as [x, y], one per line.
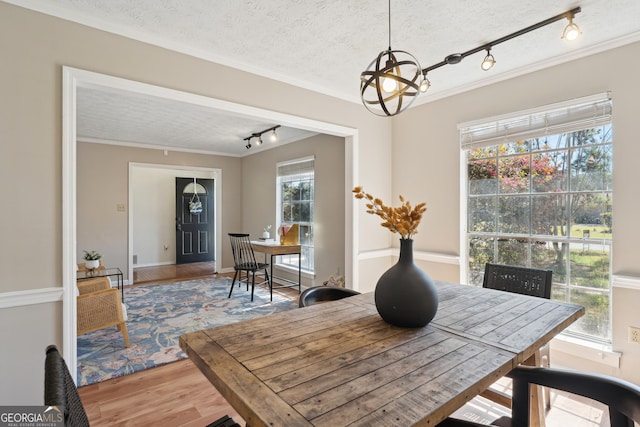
[92, 259]
[265, 233]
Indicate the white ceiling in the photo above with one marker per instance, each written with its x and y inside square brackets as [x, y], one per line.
[323, 45]
[113, 115]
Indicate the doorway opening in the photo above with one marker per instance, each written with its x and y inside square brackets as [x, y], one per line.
[73, 78]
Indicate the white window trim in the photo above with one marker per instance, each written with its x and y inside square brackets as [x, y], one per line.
[492, 140]
[278, 264]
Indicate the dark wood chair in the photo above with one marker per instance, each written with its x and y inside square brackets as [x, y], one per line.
[61, 391]
[319, 294]
[244, 260]
[622, 397]
[520, 280]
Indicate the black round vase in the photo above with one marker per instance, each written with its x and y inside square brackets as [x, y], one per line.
[405, 295]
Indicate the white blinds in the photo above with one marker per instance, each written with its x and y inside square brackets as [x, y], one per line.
[562, 117]
[296, 167]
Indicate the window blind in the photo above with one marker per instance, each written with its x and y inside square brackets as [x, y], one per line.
[296, 167]
[568, 116]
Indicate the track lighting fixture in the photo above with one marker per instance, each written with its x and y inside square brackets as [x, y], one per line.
[488, 61]
[258, 136]
[394, 79]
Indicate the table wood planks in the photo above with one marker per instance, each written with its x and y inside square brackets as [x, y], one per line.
[339, 363]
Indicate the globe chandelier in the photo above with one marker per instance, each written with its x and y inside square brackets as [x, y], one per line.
[394, 79]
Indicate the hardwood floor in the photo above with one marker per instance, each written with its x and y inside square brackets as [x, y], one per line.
[176, 394]
[173, 272]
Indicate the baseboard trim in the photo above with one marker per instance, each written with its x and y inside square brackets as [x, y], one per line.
[30, 297]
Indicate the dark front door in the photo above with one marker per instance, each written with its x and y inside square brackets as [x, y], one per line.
[194, 223]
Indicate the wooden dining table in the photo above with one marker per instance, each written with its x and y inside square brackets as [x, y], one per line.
[339, 363]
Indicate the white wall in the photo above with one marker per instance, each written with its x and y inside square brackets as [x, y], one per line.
[259, 195]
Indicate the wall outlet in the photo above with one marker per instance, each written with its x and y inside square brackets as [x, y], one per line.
[634, 334]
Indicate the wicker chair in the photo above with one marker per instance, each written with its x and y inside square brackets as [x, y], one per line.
[99, 306]
[60, 390]
[526, 281]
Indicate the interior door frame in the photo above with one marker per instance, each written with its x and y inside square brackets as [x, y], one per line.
[74, 77]
[211, 173]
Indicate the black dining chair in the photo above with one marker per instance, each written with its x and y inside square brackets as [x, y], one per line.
[319, 294]
[520, 280]
[622, 397]
[60, 390]
[244, 260]
[526, 281]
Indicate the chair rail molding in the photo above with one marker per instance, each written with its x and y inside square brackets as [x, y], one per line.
[30, 297]
[418, 255]
[629, 282]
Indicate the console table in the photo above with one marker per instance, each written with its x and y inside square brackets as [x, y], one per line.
[105, 272]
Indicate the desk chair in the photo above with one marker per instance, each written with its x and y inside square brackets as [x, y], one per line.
[60, 390]
[320, 294]
[622, 397]
[244, 259]
[520, 280]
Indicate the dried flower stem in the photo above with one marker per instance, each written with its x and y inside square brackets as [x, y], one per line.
[403, 219]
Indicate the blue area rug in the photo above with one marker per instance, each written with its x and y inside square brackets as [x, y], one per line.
[158, 315]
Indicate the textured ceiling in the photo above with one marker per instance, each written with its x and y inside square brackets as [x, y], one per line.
[109, 115]
[324, 45]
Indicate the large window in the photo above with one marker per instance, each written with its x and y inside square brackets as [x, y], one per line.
[542, 197]
[295, 206]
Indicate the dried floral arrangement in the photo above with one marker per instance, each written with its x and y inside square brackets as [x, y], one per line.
[403, 219]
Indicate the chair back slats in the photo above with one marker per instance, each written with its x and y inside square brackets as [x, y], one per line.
[60, 390]
[243, 255]
[520, 280]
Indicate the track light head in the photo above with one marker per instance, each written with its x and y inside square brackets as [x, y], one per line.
[425, 84]
[571, 31]
[259, 140]
[488, 61]
[274, 136]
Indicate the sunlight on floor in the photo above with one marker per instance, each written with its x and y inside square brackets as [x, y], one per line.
[566, 410]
